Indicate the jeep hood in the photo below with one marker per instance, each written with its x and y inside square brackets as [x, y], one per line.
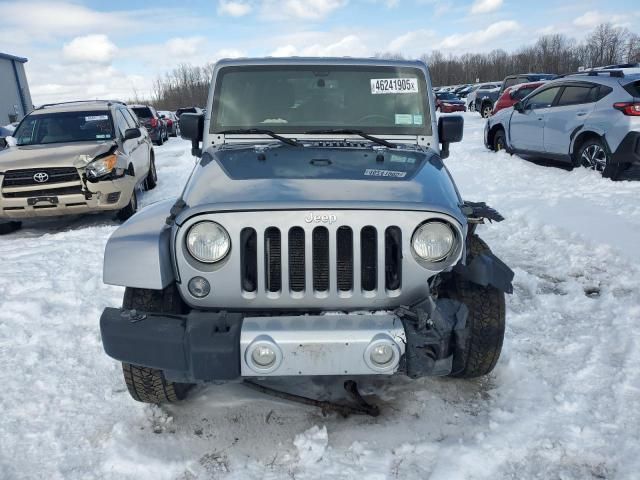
[76, 154]
[284, 178]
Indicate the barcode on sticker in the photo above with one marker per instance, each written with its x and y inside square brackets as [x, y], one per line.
[95, 118]
[394, 85]
[372, 172]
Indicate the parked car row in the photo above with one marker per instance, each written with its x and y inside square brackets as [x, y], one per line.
[589, 119]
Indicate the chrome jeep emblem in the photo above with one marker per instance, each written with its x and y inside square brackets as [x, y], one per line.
[327, 218]
[41, 177]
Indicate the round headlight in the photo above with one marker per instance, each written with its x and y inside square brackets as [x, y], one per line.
[433, 241]
[208, 242]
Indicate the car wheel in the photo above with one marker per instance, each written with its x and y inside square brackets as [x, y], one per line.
[131, 208]
[486, 321]
[160, 139]
[594, 155]
[472, 107]
[499, 141]
[152, 176]
[486, 110]
[144, 384]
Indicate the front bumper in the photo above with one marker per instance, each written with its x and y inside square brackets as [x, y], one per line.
[101, 196]
[629, 150]
[216, 346]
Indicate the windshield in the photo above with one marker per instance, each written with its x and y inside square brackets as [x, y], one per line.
[446, 96]
[64, 127]
[142, 112]
[301, 98]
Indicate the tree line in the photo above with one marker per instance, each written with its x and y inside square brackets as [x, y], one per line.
[188, 85]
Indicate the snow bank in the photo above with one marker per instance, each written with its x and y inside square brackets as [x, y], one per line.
[563, 402]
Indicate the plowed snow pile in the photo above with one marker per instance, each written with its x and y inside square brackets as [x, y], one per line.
[563, 402]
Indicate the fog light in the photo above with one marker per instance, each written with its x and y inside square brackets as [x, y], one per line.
[381, 354]
[263, 356]
[199, 287]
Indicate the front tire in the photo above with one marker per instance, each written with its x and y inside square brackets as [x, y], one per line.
[499, 141]
[152, 176]
[131, 208]
[149, 385]
[486, 110]
[486, 320]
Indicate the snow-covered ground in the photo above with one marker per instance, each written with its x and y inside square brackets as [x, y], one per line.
[562, 403]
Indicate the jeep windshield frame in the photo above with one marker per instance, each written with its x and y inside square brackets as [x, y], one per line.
[294, 99]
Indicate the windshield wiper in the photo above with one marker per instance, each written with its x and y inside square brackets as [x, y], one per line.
[261, 131]
[350, 131]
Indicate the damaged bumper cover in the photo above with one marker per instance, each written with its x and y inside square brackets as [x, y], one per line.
[218, 346]
[66, 199]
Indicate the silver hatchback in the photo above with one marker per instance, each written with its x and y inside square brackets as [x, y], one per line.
[590, 119]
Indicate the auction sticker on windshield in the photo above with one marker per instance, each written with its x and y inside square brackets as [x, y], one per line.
[394, 85]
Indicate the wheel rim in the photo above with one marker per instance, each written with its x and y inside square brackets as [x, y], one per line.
[499, 144]
[486, 112]
[594, 157]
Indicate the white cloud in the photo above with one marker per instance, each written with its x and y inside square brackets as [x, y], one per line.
[300, 9]
[235, 9]
[349, 45]
[473, 40]
[90, 49]
[593, 18]
[413, 40]
[185, 46]
[485, 6]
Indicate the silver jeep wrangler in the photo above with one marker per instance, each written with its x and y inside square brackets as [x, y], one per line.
[320, 233]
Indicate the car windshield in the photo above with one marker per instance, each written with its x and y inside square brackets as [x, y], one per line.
[64, 127]
[446, 96]
[301, 98]
[142, 112]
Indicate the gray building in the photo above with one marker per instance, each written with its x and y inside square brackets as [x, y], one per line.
[15, 98]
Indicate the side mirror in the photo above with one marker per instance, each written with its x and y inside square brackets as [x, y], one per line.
[518, 107]
[3, 143]
[11, 141]
[131, 133]
[192, 128]
[450, 130]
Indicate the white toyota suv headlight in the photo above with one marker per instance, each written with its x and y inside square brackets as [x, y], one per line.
[208, 242]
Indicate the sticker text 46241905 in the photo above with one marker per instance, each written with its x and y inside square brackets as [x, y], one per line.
[394, 85]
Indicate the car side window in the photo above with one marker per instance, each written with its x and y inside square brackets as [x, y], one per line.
[131, 117]
[576, 95]
[544, 99]
[121, 123]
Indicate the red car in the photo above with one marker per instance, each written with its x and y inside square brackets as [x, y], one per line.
[514, 94]
[447, 102]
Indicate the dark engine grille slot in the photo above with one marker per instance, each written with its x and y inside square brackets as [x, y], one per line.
[345, 259]
[393, 258]
[369, 258]
[320, 259]
[44, 193]
[19, 178]
[296, 259]
[272, 259]
[249, 259]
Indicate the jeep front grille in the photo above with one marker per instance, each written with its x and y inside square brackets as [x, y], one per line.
[331, 252]
[21, 178]
[336, 260]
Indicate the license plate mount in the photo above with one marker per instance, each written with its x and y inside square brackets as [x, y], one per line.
[35, 200]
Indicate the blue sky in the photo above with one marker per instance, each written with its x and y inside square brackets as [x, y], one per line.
[85, 49]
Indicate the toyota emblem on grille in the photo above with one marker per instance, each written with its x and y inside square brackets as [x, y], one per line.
[41, 177]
